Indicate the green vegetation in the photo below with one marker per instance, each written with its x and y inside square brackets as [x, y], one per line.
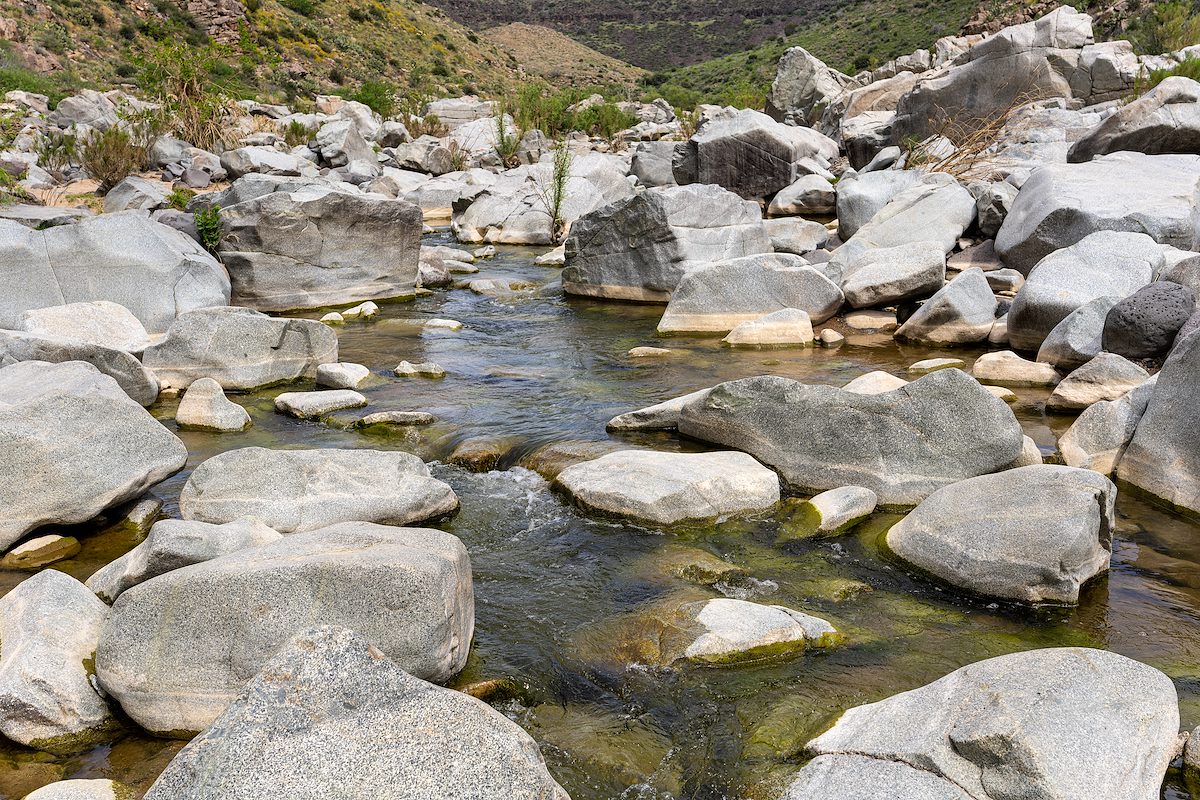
[1173, 26]
[553, 193]
[508, 141]
[297, 133]
[379, 96]
[111, 156]
[194, 104]
[1190, 68]
[537, 106]
[211, 227]
[179, 197]
[57, 150]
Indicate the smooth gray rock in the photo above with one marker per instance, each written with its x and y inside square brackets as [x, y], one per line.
[342, 375]
[134, 379]
[155, 271]
[41, 217]
[861, 197]
[1104, 264]
[89, 445]
[316, 246]
[885, 275]
[49, 625]
[797, 236]
[339, 143]
[97, 322]
[842, 508]
[1060, 204]
[1006, 368]
[668, 488]
[810, 195]
[1079, 337]
[639, 248]
[971, 535]
[1165, 119]
[1184, 270]
[398, 737]
[651, 163]
[752, 155]
[876, 382]
[903, 445]
[992, 205]
[725, 629]
[314, 405]
[662, 416]
[205, 407]
[803, 86]
[264, 161]
[992, 731]
[788, 327]
[173, 544]
[1105, 377]
[718, 297]
[962, 312]
[135, 194]
[1144, 325]
[240, 349]
[1163, 459]
[299, 490]
[178, 648]
[1098, 438]
[79, 789]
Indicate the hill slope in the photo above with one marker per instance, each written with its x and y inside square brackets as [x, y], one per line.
[559, 59]
[281, 48]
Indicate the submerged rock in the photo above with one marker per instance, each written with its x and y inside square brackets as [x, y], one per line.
[903, 445]
[1060, 722]
[397, 737]
[299, 490]
[49, 625]
[787, 327]
[180, 647]
[667, 488]
[89, 446]
[1041, 549]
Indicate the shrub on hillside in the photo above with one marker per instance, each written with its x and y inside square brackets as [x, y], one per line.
[380, 97]
[194, 101]
[111, 156]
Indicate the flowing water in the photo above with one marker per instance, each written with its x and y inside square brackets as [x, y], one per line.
[558, 594]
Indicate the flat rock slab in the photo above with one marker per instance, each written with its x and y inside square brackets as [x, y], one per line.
[178, 648]
[314, 405]
[398, 737]
[1009, 369]
[298, 490]
[1105, 377]
[666, 488]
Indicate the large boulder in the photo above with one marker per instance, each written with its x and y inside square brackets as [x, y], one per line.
[264, 161]
[962, 312]
[1054, 56]
[1163, 459]
[718, 297]
[883, 276]
[1055, 723]
[455, 111]
[1164, 120]
[667, 488]
[240, 348]
[1098, 438]
[397, 737]
[861, 197]
[803, 87]
[75, 444]
[1039, 549]
[134, 379]
[174, 544]
[1105, 377]
[318, 246]
[49, 625]
[903, 445]
[299, 490]
[752, 155]
[1104, 264]
[1060, 204]
[1079, 337]
[1144, 325]
[97, 322]
[639, 248]
[153, 270]
[178, 648]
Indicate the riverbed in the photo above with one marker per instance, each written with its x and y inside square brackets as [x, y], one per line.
[560, 594]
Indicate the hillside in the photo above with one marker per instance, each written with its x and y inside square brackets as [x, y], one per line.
[559, 59]
[655, 34]
[275, 48]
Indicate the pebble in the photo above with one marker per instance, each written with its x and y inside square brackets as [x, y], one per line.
[831, 338]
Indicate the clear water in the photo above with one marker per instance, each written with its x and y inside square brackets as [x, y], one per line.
[558, 594]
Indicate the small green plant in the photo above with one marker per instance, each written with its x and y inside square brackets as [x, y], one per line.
[429, 125]
[10, 128]
[179, 197]
[57, 150]
[183, 79]
[458, 156]
[210, 227]
[605, 120]
[1188, 68]
[553, 192]
[111, 156]
[508, 140]
[297, 133]
[379, 96]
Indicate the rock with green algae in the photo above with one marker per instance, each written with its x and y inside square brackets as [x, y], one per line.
[49, 626]
[41, 551]
[691, 564]
[379, 732]
[482, 453]
[551, 459]
[100, 789]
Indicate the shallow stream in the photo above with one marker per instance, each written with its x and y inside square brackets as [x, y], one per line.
[557, 592]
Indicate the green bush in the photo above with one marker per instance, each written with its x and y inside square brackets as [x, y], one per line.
[211, 228]
[57, 150]
[111, 156]
[179, 197]
[1190, 68]
[379, 96]
[605, 120]
[297, 133]
[190, 85]
[305, 8]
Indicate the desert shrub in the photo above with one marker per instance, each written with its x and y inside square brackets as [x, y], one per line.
[57, 150]
[379, 96]
[297, 133]
[1189, 68]
[305, 8]
[194, 100]
[1174, 26]
[428, 125]
[552, 190]
[605, 120]
[508, 141]
[111, 156]
[179, 197]
[211, 227]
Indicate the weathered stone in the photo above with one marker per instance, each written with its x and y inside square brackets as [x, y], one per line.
[98, 789]
[928, 365]
[871, 320]
[264, 161]
[1098, 438]
[98, 322]
[668, 488]
[342, 375]
[395, 418]
[1079, 337]
[41, 552]
[1144, 325]
[299, 490]
[903, 445]
[841, 508]
[90, 446]
[1106, 377]
[727, 629]
[876, 382]
[885, 275]
[803, 87]
[1165, 119]
[809, 195]
[992, 205]
[205, 407]
[154, 271]
[971, 535]
[788, 327]
[135, 194]
[240, 348]
[1104, 264]
[796, 236]
[425, 369]
[399, 738]
[1060, 204]
[640, 247]
[1009, 369]
[173, 544]
[721, 296]
[314, 405]
[49, 625]
[134, 379]
[992, 730]
[861, 197]
[179, 648]
[658, 417]
[962, 312]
